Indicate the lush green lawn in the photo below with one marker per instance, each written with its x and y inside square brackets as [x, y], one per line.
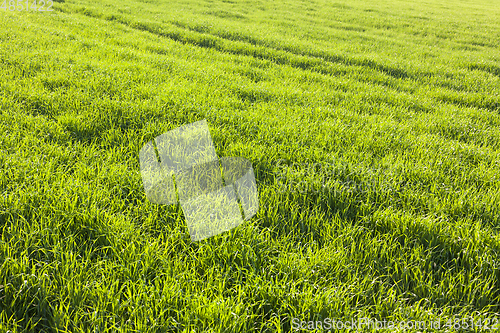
[373, 130]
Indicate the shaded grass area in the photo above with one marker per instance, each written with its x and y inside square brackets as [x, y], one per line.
[373, 136]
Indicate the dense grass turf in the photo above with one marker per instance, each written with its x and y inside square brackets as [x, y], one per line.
[372, 127]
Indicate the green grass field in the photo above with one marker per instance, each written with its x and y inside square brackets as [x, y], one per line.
[373, 130]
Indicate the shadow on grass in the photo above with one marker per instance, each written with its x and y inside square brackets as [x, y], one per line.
[202, 37]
